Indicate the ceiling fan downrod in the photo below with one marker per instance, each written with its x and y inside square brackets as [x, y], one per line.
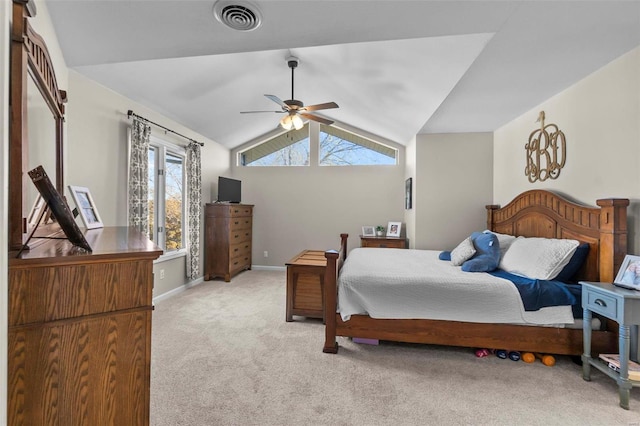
[293, 62]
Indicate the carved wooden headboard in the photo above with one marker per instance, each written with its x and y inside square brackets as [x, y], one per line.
[539, 213]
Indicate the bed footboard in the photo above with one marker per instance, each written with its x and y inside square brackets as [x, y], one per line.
[335, 259]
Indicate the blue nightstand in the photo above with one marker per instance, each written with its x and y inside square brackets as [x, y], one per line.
[622, 306]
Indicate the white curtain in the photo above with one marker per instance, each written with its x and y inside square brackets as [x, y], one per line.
[139, 176]
[194, 186]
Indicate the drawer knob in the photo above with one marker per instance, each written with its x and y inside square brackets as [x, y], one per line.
[600, 302]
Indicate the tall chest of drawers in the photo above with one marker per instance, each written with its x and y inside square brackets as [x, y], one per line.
[228, 229]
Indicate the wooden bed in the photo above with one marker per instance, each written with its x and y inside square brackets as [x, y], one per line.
[535, 213]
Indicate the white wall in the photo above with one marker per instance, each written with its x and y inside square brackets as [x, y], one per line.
[299, 208]
[97, 158]
[96, 144]
[5, 40]
[454, 184]
[600, 117]
[411, 171]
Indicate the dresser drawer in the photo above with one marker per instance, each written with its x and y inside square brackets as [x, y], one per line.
[239, 223]
[240, 211]
[241, 249]
[240, 262]
[383, 242]
[602, 304]
[239, 236]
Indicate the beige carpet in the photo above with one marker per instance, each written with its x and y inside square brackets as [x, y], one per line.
[224, 355]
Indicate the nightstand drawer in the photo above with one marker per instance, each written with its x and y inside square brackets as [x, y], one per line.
[602, 304]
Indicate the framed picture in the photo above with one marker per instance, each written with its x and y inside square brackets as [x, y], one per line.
[58, 207]
[407, 193]
[629, 273]
[393, 229]
[368, 231]
[86, 206]
[36, 210]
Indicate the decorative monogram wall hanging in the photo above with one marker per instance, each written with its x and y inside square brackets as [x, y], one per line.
[546, 152]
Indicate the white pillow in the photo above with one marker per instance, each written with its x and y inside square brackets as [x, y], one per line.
[505, 241]
[538, 258]
[463, 252]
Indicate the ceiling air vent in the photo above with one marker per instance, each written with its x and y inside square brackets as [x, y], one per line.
[238, 15]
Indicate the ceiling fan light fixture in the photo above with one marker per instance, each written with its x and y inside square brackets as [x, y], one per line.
[286, 122]
[297, 122]
[291, 121]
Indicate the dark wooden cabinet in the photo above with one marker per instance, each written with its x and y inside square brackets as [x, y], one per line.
[389, 242]
[227, 239]
[80, 331]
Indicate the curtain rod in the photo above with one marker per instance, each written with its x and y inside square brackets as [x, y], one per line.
[131, 113]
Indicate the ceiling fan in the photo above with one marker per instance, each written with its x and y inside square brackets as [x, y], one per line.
[295, 108]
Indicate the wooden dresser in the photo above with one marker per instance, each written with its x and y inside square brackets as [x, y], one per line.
[389, 242]
[227, 239]
[80, 331]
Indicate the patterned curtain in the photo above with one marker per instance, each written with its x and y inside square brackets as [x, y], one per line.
[139, 176]
[193, 209]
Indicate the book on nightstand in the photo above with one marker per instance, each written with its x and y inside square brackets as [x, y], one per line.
[613, 361]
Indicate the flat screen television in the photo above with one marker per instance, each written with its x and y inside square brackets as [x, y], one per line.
[229, 190]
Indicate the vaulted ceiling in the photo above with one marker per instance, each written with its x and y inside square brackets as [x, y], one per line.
[395, 68]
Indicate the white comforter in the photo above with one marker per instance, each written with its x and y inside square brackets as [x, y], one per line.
[393, 283]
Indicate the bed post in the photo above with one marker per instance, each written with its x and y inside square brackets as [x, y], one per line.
[613, 236]
[334, 263]
[330, 300]
[490, 209]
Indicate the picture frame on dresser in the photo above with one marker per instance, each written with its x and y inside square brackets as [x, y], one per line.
[368, 231]
[629, 273]
[36, 211]
[86, 207]
[393, 229]
[59, 208]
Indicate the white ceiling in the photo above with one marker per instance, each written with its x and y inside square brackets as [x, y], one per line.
[396, 68]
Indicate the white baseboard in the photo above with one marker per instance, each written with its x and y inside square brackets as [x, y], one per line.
[268, 268]
[178, 290]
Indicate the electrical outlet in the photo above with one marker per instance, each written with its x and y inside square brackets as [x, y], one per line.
[266, 253]
[161, 274]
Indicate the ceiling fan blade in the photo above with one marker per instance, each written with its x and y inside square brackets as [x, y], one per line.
[316, 118]
[278, 101]
[327, 105]
[253, 112]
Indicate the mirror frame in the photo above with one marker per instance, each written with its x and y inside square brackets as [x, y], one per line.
[29, 59]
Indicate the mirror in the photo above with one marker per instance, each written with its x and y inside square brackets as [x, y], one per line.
[40, 150]
[36, 124]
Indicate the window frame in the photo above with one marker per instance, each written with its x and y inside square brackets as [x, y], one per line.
[162, 148]
[314, 146]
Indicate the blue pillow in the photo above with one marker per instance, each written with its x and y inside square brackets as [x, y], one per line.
[575, 263]
[445, 255]
[487, 257]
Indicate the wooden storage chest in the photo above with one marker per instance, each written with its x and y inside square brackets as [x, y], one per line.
[305, 283]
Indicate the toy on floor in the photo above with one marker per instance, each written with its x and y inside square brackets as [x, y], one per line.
[481, 353]
[547, 360]
[500, 353]
[504, 354]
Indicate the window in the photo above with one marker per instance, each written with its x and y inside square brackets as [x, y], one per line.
[336, 147]
[166, 195]
[341, 148]
[288, 149]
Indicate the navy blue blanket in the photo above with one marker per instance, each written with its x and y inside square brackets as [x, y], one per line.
[538, 294]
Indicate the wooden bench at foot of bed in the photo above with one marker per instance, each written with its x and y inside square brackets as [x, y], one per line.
[535, 213]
